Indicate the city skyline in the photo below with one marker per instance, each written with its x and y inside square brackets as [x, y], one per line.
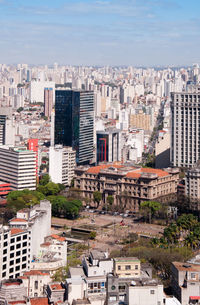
[86, 32]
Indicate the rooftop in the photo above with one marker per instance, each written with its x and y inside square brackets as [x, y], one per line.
[126, 259]
[128, 171]
[56, 286]
[186, 266]
[15, 231]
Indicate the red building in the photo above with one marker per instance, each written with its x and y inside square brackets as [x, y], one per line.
[33, 146]
[4, 188]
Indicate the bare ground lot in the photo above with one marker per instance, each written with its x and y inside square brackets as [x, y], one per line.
[108, 228]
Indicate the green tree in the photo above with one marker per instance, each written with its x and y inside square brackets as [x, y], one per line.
[20, 109]
[92, 235]
[150, 208]
[45, 180]
[110, 200]
[97, 197]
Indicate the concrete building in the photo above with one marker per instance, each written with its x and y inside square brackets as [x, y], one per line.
[7, 128]
[127, 267]
[35, 282]
[37, 91]
[48, 101]
[185, 131]
[20, 241]
[140, 120]
[162, 149]
[192, 186]
[185, 281]
[18, 167]
[109, 145]
[62, 162]
[129, 185]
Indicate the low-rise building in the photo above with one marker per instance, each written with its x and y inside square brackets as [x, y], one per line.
[129, 185]
[192, 186]
[127, 267]
[185, 281]
[35, 282]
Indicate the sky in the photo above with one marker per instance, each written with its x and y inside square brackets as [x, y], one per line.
[100, 32]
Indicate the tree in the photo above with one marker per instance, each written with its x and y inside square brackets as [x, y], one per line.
[150, 208]
[20, 109]
[110, 200]
[97, 197]
[45, 179]
[20, 199]
[92, 235]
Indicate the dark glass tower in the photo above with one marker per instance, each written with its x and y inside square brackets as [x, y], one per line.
[74, 122]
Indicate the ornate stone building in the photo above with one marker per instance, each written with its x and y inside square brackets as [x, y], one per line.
[128, 185]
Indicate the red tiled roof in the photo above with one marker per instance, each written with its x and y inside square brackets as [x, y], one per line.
[18, 220]
[56, 287]
[60, 238]
[39, 301]
[137, 173]
[16, 231]
[35, 272]
[97, 169]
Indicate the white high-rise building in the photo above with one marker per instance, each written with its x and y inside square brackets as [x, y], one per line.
[62, 161]
[185, 131]
[18, 167]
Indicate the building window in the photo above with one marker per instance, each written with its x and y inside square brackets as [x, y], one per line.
[5, 251]
[12, 248]
[18, 238]
[17, 260]
[11, 270]
[12, 240]
[136, 267]
[17, 268]
[128, 267]
[152, 291]
[18, 253]
[119, 267]
[23, 266]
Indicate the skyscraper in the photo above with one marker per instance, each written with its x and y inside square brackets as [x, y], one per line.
[74, 122]
[185, 129]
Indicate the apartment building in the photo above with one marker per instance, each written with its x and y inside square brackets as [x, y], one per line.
[62, 162]
[18, 167]
[127, 267]
[20, 241]
[129, 185]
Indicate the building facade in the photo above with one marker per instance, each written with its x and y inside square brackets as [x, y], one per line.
[74, 122]
[20, 242]
[185, 129]
[18, 167]
[62, 162]
[128, 185]
[33, 146]
[108, 146]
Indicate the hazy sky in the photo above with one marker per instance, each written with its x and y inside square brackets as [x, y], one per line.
[110, 32]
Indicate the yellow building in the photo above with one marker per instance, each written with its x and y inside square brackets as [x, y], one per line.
[127, 267]
[140, 120]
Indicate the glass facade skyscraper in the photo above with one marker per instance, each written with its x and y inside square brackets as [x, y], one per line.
[74, 122]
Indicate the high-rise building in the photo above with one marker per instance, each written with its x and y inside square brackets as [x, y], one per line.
[18, 167]
[74, 122]
[185, 130]
[48, 101]
[62, 162]
[7, 130]
[108, 146]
